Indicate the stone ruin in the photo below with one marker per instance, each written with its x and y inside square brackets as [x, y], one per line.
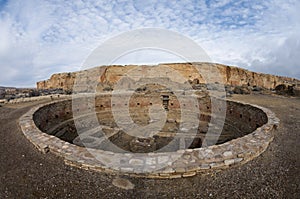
[90, 137]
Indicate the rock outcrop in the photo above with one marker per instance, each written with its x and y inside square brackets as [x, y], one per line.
[63, 81]
[195, 73]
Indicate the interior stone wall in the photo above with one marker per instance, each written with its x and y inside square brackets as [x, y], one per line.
[57, 119]
[176, 164]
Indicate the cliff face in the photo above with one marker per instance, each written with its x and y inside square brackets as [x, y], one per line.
[199, 72]
[64, 81]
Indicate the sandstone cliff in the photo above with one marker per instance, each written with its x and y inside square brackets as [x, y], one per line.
[107, 76]
[60, 80]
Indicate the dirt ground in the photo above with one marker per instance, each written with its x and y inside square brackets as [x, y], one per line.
[27, 173]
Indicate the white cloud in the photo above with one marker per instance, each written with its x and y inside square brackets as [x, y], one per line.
[270, 46]
[38, 38]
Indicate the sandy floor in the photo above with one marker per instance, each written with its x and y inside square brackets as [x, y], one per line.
[26, 173]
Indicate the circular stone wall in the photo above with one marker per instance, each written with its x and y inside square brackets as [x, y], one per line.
[247, 131]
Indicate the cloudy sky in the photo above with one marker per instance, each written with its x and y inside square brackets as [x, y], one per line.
[38, 38]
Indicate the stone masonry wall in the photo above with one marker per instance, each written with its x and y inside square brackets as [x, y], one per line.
[246, 118]
[181, 163]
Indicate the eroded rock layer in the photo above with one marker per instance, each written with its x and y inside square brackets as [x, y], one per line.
[196, 73]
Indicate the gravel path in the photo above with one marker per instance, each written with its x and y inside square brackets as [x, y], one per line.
[26, 173]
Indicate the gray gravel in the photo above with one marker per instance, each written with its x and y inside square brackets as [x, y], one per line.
[26, 173]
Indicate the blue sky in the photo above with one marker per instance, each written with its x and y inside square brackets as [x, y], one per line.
[39, 38]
